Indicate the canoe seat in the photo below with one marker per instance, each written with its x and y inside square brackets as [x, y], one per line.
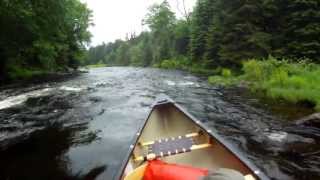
[170, 146]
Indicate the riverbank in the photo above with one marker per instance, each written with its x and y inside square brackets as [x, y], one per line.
[183, 63]
[292, 82]
[297, 83]
[29, 76]
[96, 65]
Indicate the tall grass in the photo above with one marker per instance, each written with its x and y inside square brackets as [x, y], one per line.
[294, 82]
[96, 65]
[16, 72]
[183, 63]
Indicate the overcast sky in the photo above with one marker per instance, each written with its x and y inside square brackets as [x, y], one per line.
[113, 19]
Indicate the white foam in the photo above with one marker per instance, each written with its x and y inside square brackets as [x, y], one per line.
[277, 136]
[99, 84]
[186, 83]
[19, 99]
[170, 83]
[68, 88]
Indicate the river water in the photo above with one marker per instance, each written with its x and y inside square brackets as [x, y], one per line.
[80, 128]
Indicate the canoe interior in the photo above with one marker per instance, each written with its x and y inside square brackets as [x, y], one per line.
[166, 121]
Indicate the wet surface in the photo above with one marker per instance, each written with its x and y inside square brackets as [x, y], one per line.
[81, 128]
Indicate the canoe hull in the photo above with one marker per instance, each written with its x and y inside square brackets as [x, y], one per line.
[169, 120]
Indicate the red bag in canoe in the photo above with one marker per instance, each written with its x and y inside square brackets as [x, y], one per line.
[158, 170]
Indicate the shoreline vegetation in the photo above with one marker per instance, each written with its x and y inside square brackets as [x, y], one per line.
[37, 76]
[95, 66]
[41, 39]
[295, 82]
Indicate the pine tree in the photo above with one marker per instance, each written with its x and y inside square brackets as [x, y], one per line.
[201, 20]
[302, 30]
[242, 31]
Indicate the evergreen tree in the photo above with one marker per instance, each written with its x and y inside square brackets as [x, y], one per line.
[201, 21]
[242, 31]
[301, 31]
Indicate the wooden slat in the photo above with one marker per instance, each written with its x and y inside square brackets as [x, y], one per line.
[152, 142]
[200, 146]
[153, 156]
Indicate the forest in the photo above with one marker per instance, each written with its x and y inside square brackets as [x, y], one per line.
[220, 33]
[38, 37]
[272, 45]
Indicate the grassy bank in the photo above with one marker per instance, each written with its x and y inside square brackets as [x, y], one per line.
[17, 73]
[293, 82]
[21, 74]
[183, 63]
[96, 65]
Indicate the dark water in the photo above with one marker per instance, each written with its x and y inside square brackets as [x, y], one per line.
[81, 128]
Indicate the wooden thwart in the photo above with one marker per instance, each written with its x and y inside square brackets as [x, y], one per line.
[154, 156]
[170, 146]
[166, 139]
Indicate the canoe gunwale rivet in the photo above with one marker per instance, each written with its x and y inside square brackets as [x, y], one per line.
[257, 172]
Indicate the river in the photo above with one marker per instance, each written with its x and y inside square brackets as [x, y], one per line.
[80, 128]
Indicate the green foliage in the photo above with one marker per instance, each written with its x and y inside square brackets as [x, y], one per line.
[201, 21]
[47, 35]
[168, 39]
[226, 73]
[160, 18]
[294, 82]
[223, 33]
[222, 81]
[96, 65]
[179, 63]
[19, 73]
[291, 81]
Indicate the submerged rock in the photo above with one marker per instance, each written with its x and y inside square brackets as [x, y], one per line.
[312, 120]
[283, 142]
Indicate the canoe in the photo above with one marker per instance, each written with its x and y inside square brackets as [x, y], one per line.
[172, 135]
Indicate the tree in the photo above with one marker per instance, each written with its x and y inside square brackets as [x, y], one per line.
[243, 36]
[181, 37]
[47, 35]
[200, 23]
[161, 20]
[301, 31]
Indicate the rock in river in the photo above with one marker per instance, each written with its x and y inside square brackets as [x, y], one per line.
[312, 120]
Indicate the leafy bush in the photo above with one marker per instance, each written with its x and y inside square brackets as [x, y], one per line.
[225, 79]
[18, 73]
[226, 73]
[176, 63]
[279, 79]
[169, 64]
[220, 80]
[96, 65]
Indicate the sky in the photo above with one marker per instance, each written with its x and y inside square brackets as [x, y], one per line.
[114, 19]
